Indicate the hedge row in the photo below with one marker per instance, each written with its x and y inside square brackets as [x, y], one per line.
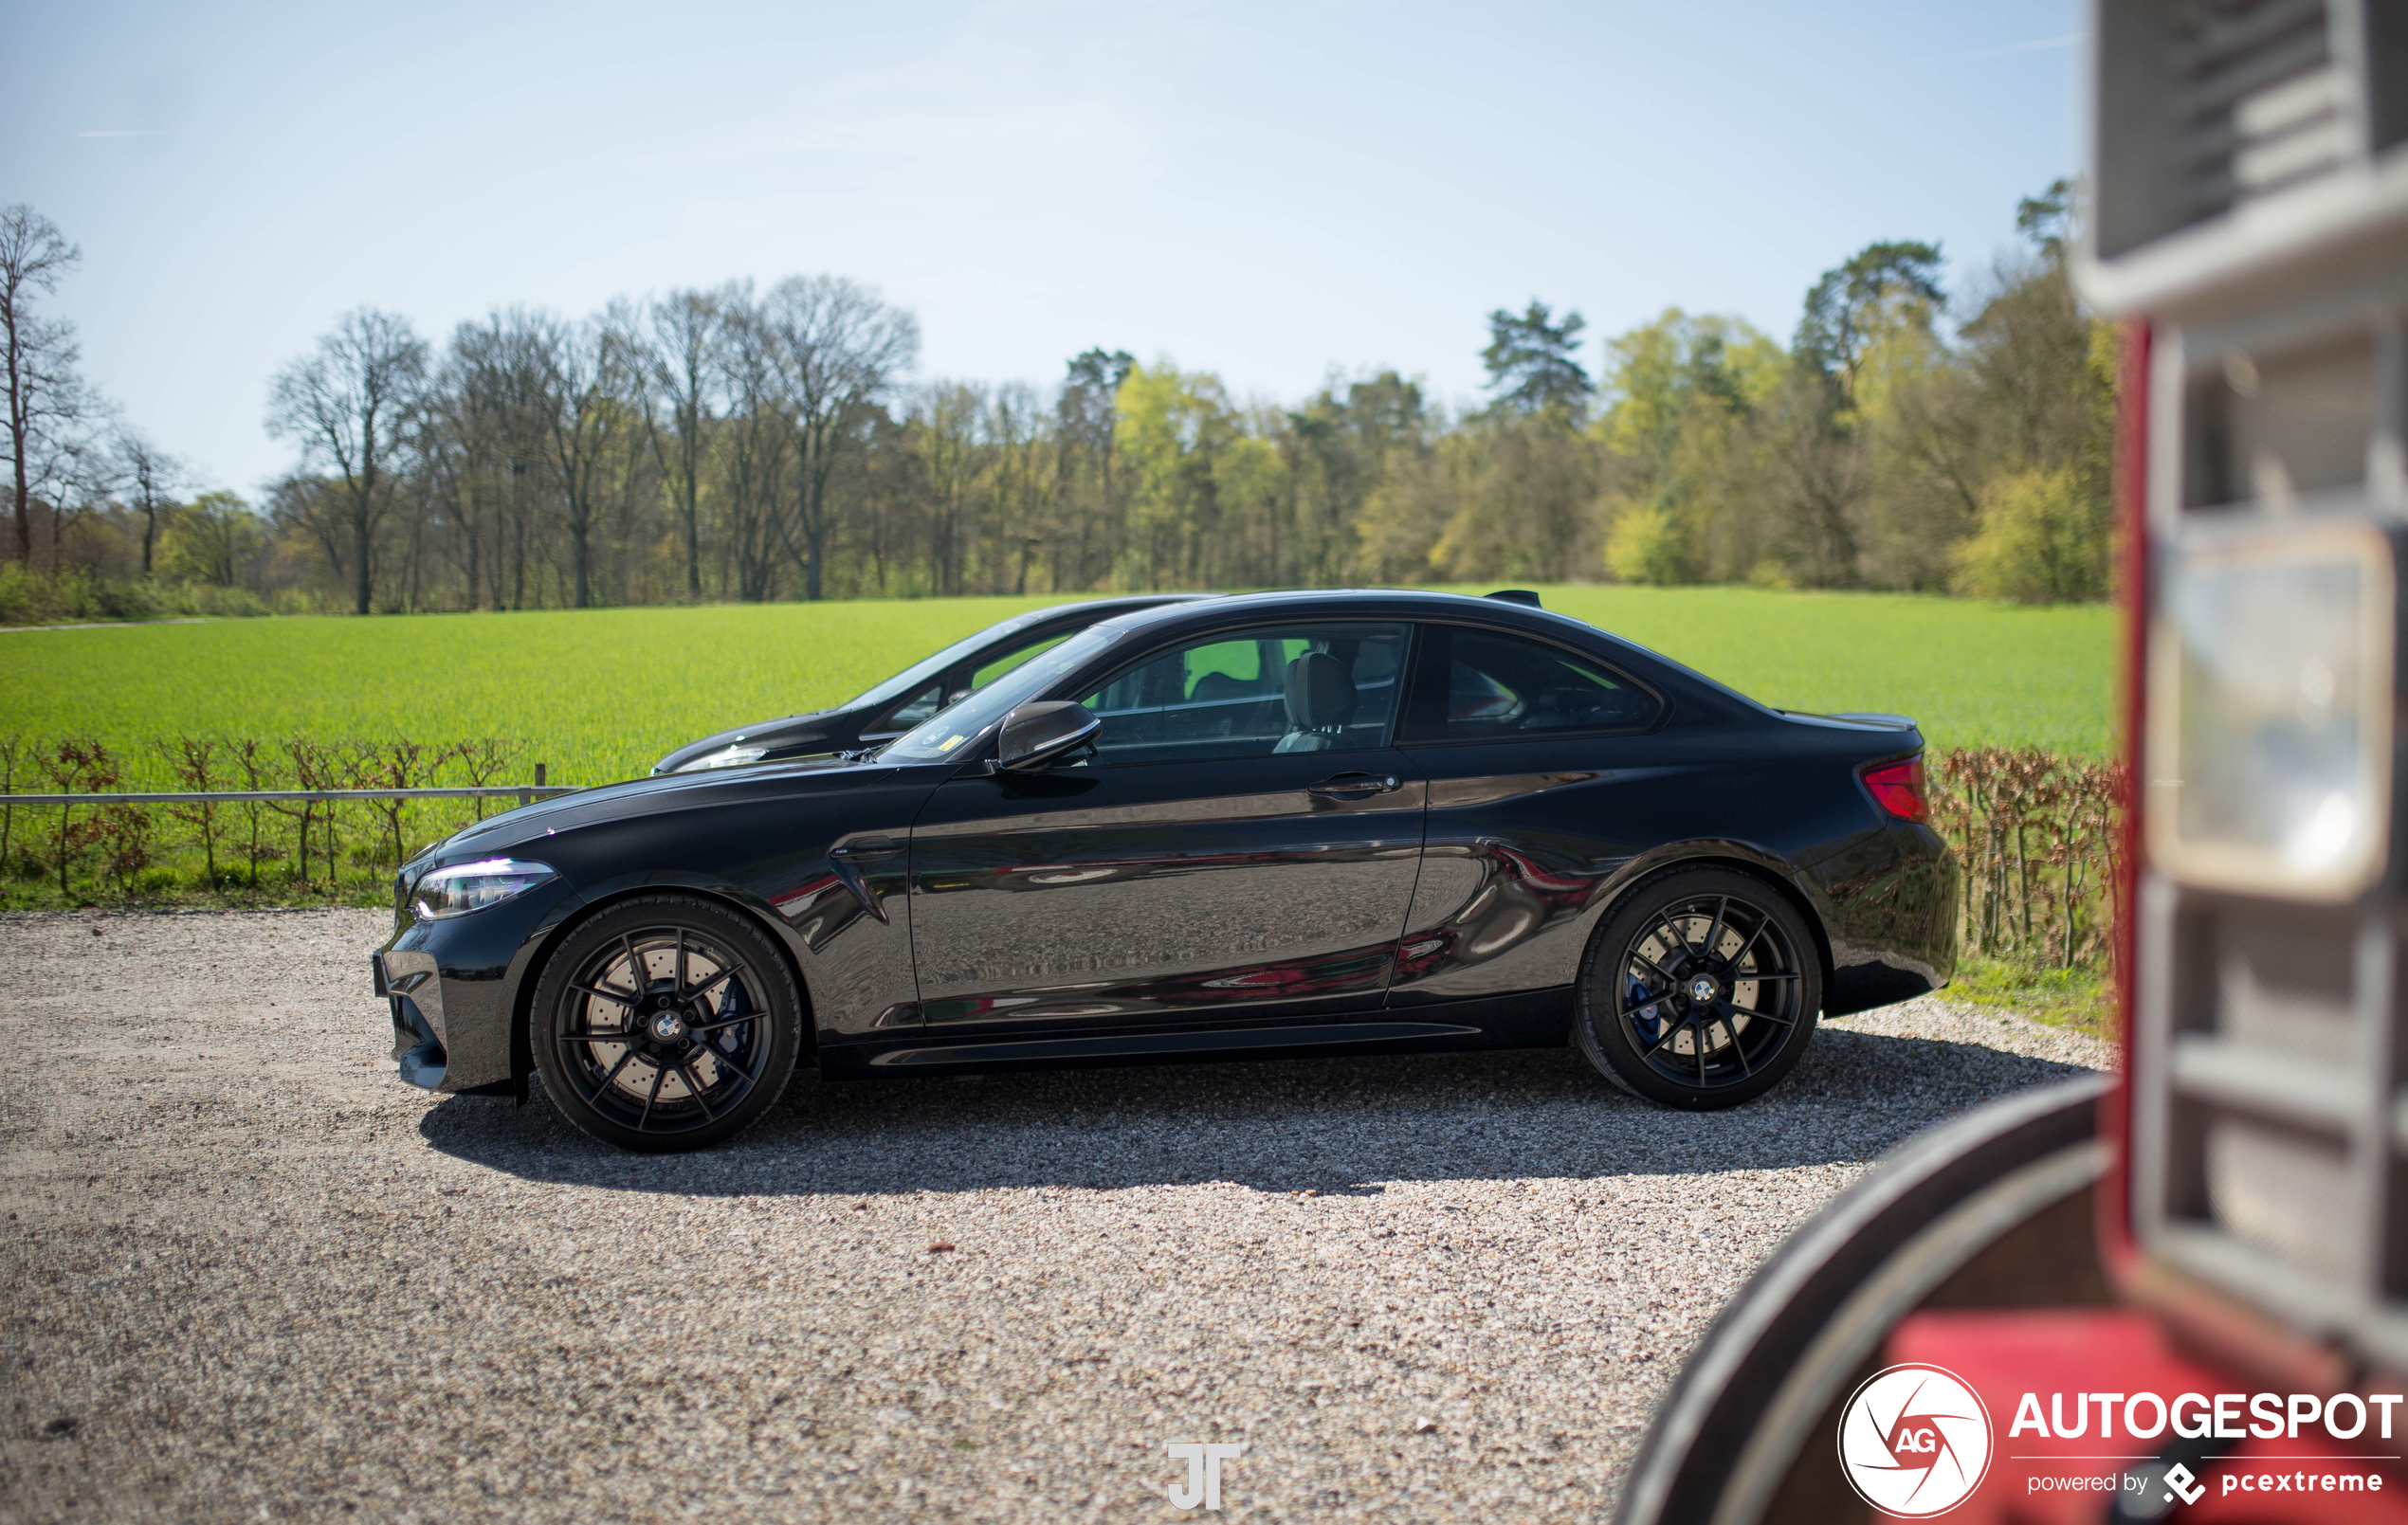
[2037, 835]
[129, 852]
[2039, 840]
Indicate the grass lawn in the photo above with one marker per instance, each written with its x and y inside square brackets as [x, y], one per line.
[601, 692]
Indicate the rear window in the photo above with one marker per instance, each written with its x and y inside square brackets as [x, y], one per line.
[1472, 685]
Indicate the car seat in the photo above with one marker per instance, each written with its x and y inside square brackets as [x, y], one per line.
[1321, 700]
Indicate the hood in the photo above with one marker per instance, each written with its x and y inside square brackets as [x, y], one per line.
[790, 735]
[530, 824]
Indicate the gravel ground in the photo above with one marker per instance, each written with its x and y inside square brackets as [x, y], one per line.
[248, 1274]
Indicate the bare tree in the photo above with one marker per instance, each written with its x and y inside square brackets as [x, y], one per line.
[586, 379]
[682, 366]
[840, 350]
[758, 454]
[78, 471]
[444, 445]
[314, 505]
[44, 393]
[498, 367]
[151, 477]
[348, 406]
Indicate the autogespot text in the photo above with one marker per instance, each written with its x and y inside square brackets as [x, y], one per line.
[2230, 1416]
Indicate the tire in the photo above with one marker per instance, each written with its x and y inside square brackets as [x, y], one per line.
[692, 1059]
[1990, 1209]
[1700, 989]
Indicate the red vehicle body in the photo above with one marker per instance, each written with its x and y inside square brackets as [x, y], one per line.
[2180, 1291]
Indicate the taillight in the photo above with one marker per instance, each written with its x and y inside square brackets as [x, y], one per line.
[1897, 789]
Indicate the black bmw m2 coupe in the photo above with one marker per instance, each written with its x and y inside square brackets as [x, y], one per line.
[1298, 823]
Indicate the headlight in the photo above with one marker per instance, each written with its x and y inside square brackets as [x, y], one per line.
[2270, 712]
[465, 887]
[725, 757]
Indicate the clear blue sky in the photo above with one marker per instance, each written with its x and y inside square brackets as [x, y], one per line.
[1263, 190]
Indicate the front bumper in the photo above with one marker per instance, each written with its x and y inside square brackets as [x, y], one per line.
[451, 989]
[419, 1054]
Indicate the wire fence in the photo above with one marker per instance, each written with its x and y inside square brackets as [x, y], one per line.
[292, 816]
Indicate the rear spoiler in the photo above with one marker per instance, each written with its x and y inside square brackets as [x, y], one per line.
[1869, 718]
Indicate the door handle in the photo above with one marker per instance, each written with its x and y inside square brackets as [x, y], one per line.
[867, 847]
[1354, 786]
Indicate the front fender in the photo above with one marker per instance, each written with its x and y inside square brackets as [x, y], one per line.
[526, 967]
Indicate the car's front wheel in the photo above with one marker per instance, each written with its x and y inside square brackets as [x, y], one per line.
[1700, 989]
[667, 1023]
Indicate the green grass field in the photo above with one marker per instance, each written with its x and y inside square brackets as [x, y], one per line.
[601, 692]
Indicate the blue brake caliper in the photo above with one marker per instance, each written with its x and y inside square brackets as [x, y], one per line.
[1644, 1013]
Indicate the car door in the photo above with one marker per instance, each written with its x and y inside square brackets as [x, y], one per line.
[1530, 750]
[1243, 840]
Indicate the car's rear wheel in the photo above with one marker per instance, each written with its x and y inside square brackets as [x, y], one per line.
[667, 1023]
[1700, 989]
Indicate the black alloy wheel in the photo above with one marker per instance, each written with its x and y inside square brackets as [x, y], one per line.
[667, 1023]
[1700, 989]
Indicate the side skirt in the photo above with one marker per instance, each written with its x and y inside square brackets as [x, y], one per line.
[1540, 1019]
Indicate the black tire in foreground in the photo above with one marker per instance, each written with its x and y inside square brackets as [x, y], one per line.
[669, 1022]
[1700, 989]
[1992, 1210]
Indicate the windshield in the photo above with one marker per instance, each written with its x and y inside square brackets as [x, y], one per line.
[951, 733]
[928, 669]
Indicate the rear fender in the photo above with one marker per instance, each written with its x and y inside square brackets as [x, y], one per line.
[1777, 874]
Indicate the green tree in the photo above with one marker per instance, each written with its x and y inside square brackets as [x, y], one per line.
[1525, 503]
[1175, 427]
[1645, 547]
[212, 539]
[2047, 219]
[2029, 384]
[1533, 364]
[2040, 539]
[1682, 425]
[1848, 305]
[1343, 447]
[1086, 421]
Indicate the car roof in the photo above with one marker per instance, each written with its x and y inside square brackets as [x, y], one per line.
[1356, 603]
[1118, 603]
[1425, 604]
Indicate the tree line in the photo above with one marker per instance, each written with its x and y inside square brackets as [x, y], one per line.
[756, 443]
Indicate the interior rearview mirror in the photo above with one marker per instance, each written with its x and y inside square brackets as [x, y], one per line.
[1035, 735]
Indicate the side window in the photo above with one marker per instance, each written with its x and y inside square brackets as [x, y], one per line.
[1010, 660]
[1475, 684]
[937, 696]
[915, 709]
[1252, 693]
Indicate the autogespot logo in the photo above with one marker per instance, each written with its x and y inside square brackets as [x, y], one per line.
[1914, 1440]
